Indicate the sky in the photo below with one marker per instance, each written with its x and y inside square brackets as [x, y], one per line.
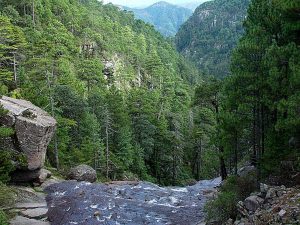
[141, 3]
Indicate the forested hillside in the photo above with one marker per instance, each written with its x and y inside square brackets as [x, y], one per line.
[120, 92]
[211, 33]
[165, 17]
[262, 95]
[258, 109]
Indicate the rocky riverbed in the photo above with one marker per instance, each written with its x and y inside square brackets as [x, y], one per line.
[83, 203]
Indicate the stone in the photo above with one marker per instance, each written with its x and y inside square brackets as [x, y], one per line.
[83, 173]
[44, 174]
[264, 188]
[30, 205]
[20, 220]
[34, 129]
[28, 195]
[49, 182]
[242, 209]
[252, 203]
[282, 213]
[246, 170]
[271, 194]
[36, 213]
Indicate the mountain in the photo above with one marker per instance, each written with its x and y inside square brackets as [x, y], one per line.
[211, 33]
[165, 17]
[192, 5]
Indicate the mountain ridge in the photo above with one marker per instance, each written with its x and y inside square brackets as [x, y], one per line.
[165, 17]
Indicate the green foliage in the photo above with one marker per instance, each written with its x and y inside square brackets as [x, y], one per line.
[222, 208]
[118, 89]
[234, 189]
[211, 33]
[7, 196]
[6, 166]
[3, 218]
[261, 96]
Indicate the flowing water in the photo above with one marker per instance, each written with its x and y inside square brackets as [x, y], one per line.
[142, 203]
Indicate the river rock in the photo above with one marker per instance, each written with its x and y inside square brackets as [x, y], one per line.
[34, 129]
[83, 173]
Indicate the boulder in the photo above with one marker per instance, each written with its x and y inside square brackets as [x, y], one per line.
[34, 129]
[83, 173]
[252, 203]
[44, 174]
[246, 171]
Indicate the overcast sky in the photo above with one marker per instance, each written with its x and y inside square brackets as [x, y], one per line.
[139, 3]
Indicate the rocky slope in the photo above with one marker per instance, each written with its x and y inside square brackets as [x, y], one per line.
[272, 205]
[165, 17]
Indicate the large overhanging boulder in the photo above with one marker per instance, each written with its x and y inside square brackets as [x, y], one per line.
[33, 127]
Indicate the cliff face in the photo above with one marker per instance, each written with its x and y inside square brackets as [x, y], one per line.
[34, 129]
[211, 33]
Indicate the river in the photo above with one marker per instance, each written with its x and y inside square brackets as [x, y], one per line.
[142, 203]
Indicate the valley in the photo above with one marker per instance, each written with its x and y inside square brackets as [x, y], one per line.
[109, 116]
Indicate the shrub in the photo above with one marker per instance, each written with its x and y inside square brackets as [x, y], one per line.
[6, 166]
[233, 190]
[3, 218]
[222, 208]
[7, 196]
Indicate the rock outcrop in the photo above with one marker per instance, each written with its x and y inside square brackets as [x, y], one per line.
[272, 205]
[34, 129]
[83, 173]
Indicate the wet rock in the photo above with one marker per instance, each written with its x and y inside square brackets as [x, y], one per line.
[37, 213]
[83, 173]
[30, 205]
[20, 220]
[34, 129]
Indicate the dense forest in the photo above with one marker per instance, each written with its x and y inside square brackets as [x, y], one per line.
[261, 97]
[126, 101]
[208, 37]
[120, 92]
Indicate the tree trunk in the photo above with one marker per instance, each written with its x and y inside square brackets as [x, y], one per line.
[223, 170]
[15, 70]
[236, 152]
[222, 164]
[33, 13]
[107, 153]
